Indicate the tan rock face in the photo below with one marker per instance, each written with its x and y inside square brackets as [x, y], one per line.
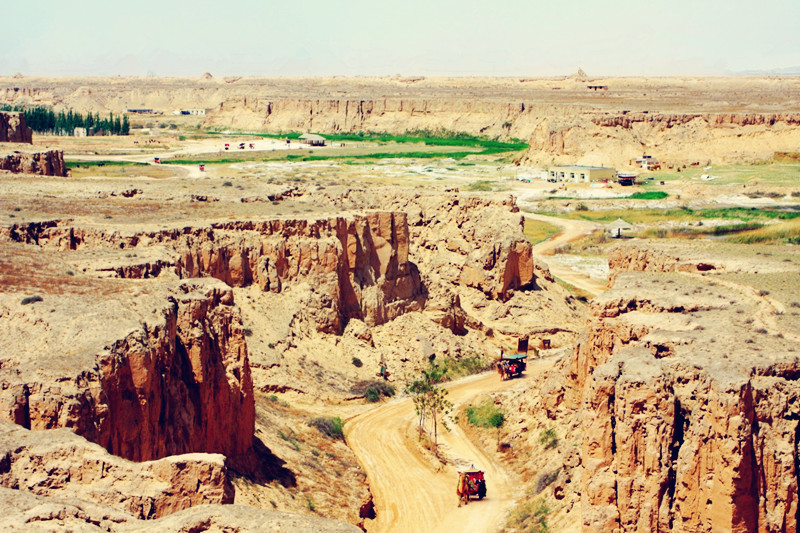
[49, 163]
[356, 267]
[168, 387]
[59, 463]
[13, 128]
[687, 423]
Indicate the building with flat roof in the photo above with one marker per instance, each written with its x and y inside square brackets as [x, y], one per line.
[581, 173]
[312, 139]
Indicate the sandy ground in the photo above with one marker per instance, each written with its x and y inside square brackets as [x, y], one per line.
[413, 493]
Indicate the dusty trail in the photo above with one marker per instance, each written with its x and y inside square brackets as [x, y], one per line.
[571, 230]
[411, 492]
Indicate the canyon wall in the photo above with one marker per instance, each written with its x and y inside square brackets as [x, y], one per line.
[169, 386]
[352, 267]
[678, 120]
[13, 128]
[49, 163]
[688, 407]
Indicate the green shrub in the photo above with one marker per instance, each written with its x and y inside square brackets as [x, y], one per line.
[649, 195]
[248, 332]
[331, 427]
[357, 362]
[227, 184]
[31, 299]
[485, 415]
[581, 207]
[464, 366]
[373, 390]
[548, 438]
[530, 517]
[372, 395]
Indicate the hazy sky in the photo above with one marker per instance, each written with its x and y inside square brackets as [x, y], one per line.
[408, 37]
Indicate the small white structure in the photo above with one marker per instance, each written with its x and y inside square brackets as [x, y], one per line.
[79, 132]
[312, 139]
[617, 227]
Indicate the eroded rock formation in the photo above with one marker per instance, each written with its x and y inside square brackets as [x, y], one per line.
[13, 128]
[49, 163]
[60, 463]
[160, 382]
[688, 408]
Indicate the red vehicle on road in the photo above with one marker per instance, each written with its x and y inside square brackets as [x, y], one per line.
[470, 483]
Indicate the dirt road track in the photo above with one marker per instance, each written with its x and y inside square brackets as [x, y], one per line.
[412, 493]
[571, 230]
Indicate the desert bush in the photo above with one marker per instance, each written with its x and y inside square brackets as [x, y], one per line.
[530, 517]
[464, 366]
[357, 362]
[248, 332]
[544, 480]
[31, 299]
[548, 438]
[330, 427]
[485, 415]
[227, 184]
[373, 390]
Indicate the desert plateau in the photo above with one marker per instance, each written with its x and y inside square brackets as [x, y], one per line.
[234, 303]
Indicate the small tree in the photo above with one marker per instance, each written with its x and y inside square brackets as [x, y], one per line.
[496, 421]
[430, 400]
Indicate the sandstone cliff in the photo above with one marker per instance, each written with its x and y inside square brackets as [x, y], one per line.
[353, 267]
[161, 378]
[49, 163]
[13, 128]
[687, 393]
[678, 120]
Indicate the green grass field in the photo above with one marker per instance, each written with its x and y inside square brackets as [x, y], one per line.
[537, 231]
[655, 216]
[437, 144]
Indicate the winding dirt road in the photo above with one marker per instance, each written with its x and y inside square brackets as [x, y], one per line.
[571, 230]
[412, 492]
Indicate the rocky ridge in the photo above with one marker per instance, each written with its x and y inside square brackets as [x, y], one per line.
[48, 163]
[687, 406]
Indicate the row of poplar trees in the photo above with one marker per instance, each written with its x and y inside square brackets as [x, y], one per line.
[45, 120]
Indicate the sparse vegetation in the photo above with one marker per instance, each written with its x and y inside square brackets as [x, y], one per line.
[544, 480]
[537, 231]
[31, 299]
[530, 517]
[291, 439]
[373, 390]
[330, 427]
[548, 438]
[463, 366]
[649, 195]
[486, 415]
[357, 362]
